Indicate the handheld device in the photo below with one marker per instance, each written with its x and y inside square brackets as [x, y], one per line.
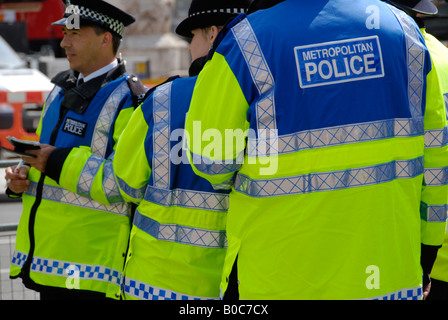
[20, 146]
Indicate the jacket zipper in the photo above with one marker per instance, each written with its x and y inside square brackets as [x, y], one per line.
[25, 272]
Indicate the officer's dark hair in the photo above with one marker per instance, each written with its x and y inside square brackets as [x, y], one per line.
[116, 40]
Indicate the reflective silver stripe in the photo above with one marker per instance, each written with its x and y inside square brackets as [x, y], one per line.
[110, 185]
[132, 192]
[328, 181]
[181, 234]
[144, 291]
[105, 120]
[436, 138]
[345, 134]
[225, 185]
[266, 112]
[188, 198]
[57, 194]
[434, 213]
[260, 72]
[210, 167]
[54, 93]
[161, 161]
[69, 269]
[436, 176]
[403, 294]
[88, 173]
[437, 213]
[416, 60]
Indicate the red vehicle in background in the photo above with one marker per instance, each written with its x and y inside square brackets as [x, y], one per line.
[23, 90]
[26, 24]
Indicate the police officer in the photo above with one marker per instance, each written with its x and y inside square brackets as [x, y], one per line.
[178, 239]
[69, 246]
[439, 57]
[326, 108]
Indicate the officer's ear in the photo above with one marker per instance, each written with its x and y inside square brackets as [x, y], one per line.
[107, 39]
[214, 30]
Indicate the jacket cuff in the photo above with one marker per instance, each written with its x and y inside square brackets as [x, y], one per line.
[11, 194]
[55, 163]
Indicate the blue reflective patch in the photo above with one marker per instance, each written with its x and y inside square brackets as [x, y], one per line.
[339, 61]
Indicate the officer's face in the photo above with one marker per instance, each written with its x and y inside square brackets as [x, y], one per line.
[199, 44]
[202, 41]
[84, 49]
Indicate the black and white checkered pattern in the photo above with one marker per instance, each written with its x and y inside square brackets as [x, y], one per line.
[92, 15]
[227, 10]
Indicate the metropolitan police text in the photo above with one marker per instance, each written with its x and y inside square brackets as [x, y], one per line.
[340, 61]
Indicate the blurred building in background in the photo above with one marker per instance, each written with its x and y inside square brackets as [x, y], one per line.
[151, 39]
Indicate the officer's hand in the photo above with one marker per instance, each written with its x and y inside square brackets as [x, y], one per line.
[42, 154]
[426, 290]
[18, 180]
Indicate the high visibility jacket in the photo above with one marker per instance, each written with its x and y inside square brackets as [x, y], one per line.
[339, 181]
[65, 239]
[439, 56]
[178, 240]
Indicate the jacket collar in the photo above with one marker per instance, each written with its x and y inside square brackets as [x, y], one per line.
[84, 93]
[99, 72]
[67, 79]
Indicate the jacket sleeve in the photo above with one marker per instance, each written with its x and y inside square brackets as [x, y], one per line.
[217, 124]
[122, 177]
[434, 199]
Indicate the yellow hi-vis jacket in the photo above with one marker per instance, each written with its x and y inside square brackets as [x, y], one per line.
[439, 56]
[64, 239]
[328, 132]
[178, 240]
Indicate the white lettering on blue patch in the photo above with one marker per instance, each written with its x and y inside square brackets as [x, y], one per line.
[75, 127]
[339, 61]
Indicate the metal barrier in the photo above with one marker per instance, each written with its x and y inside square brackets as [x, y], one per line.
[11, 289]
[8, 227]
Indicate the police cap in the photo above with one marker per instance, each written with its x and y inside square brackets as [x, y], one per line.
[96, 12]
[420, 6]
[206, 13]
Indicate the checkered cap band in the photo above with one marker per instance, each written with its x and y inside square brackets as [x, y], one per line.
[92, 15]
[227, 10]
